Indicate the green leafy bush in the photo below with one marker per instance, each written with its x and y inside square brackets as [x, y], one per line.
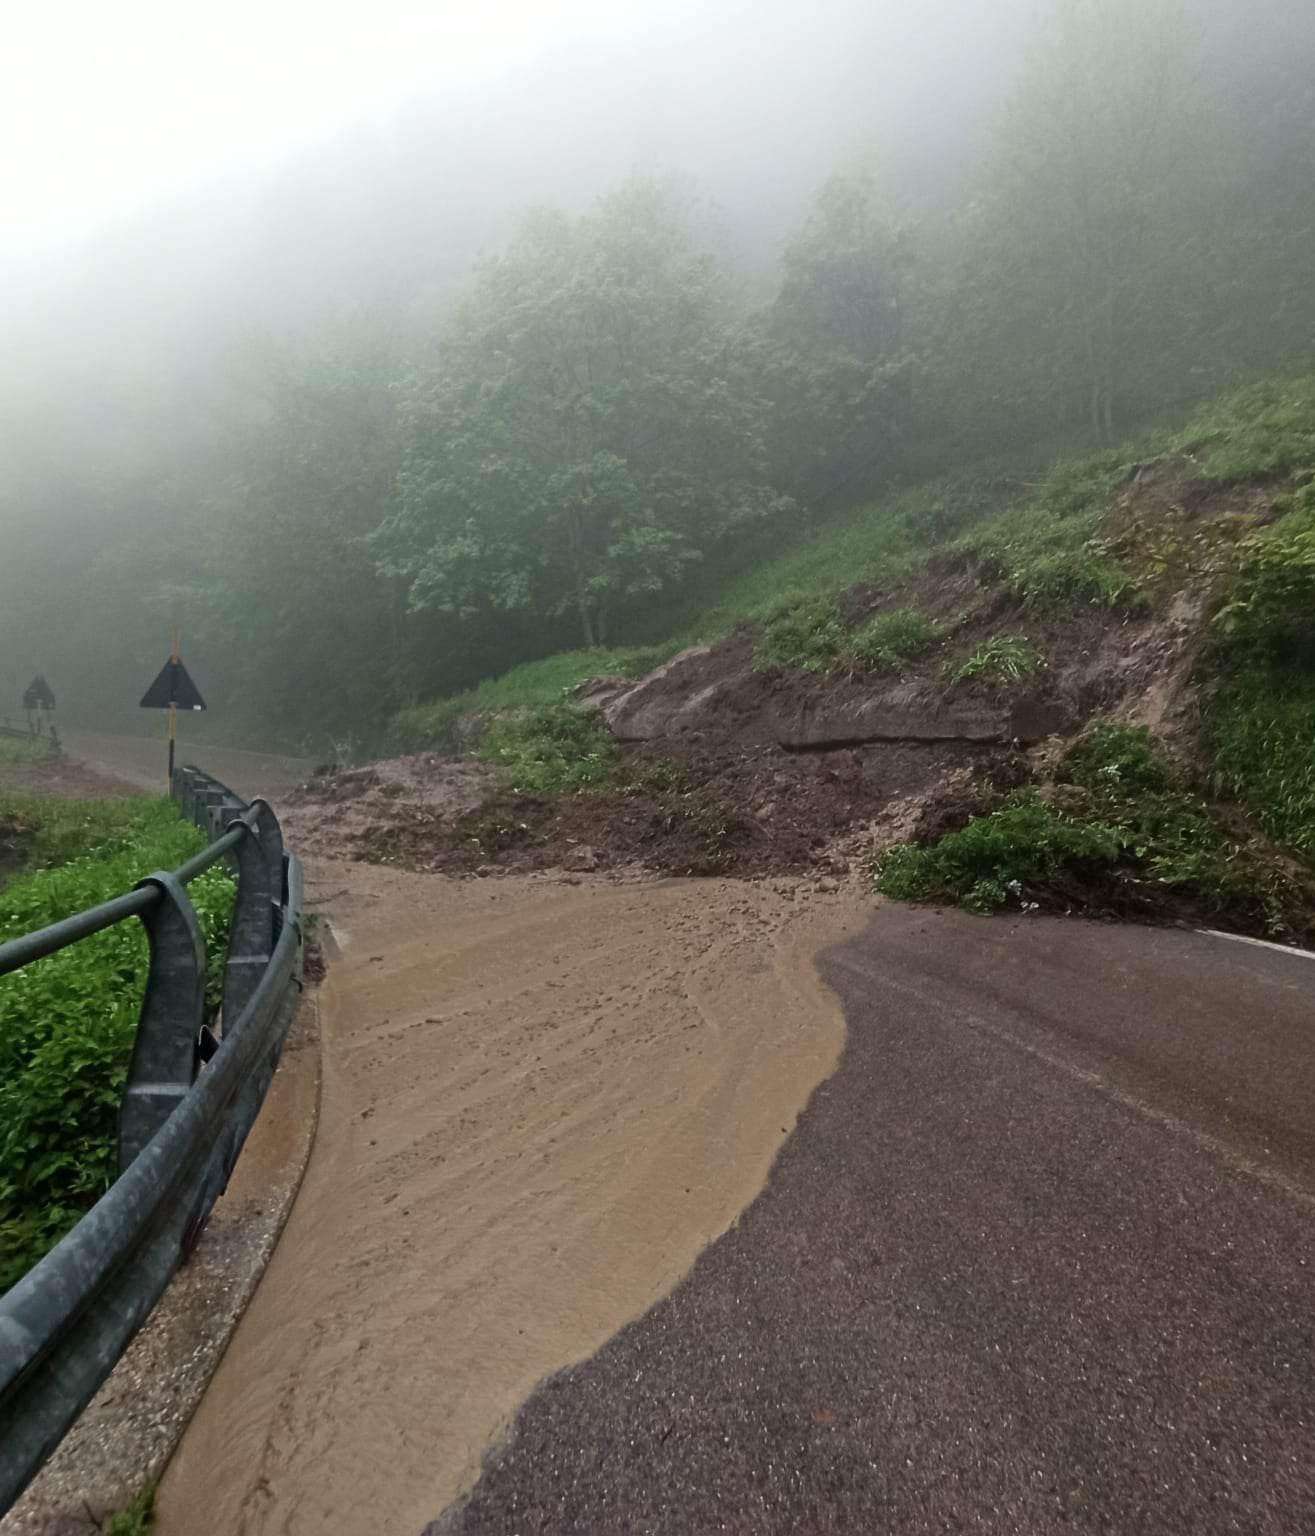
[1007, 658]
[67, 1022]
[1131, 837]
[889, 642]
[995, 856]
[803, 634]
[553, 750]
[136, 1519]
[1116, 761]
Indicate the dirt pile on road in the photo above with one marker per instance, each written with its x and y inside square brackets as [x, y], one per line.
[342, 810]
[694, 810]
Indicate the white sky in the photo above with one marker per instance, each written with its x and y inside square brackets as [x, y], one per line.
[106, 105]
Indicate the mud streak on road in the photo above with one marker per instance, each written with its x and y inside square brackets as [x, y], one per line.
[1038, 1258]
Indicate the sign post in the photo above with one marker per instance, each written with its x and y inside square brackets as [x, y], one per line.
[38, 701]
[173, 689]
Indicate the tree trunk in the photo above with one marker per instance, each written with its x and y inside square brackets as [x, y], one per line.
[587, 624]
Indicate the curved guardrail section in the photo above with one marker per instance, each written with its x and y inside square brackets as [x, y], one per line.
[190, 1100]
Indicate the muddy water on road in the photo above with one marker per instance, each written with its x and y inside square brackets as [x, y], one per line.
[142, 760]
[541, 1100]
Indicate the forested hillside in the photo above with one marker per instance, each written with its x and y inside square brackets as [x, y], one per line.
[388, 495]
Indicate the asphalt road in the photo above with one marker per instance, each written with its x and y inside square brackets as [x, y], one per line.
[142, 760]
[1039, 1257]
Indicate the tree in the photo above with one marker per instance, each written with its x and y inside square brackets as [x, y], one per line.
[310, 631]
[592, 428]
[1074, 261]
[842, 336]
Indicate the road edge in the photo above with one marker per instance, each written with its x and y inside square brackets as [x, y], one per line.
[129, 1432]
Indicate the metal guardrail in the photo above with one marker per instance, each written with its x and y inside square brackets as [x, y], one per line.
[189, 1103]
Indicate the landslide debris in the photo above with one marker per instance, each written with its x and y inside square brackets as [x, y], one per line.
[838, 727]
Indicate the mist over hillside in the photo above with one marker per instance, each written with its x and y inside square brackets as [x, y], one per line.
[223, 408]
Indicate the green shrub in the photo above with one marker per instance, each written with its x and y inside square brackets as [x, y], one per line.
[67, 1023]
[995, 856]
[136, 1519]
[1139, 838]
[1007, 658]
[803, 634]
[889, 642]
[1116, 761]
[553, 750]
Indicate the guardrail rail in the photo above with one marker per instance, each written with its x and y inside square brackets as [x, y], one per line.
[190, 1100]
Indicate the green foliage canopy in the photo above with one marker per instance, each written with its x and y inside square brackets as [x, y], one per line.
[592, 429]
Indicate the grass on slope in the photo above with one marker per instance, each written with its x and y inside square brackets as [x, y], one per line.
[533, 684]
[1259, 676]
[24, 748]
[1036, 532]
[67, 1022]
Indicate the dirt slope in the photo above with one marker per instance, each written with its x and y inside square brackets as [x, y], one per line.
[730, 769]
[541, 1101]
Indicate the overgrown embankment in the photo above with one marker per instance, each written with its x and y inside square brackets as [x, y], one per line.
[1084, 688]
[67, 1022]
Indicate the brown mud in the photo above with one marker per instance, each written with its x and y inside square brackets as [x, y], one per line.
[541, 1101]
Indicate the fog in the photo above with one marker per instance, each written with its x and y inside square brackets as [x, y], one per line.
[148, 318]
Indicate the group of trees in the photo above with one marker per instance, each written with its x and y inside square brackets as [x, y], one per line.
[608, 415]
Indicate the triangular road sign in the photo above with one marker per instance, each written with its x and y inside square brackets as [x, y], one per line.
[173, 686]
[38, 694]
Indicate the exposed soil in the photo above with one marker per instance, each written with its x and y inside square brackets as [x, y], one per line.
[338, 813]
[728, 770]
[752, 811]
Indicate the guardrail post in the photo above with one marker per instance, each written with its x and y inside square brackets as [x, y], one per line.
[164, 1053]
[186, 781]
[212, 801]
[251, 933]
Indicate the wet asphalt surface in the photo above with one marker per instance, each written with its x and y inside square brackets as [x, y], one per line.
[143, 760]
[1039, 1257]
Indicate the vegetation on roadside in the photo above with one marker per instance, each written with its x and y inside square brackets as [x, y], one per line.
[25, 749]
[1120, 831]
[137, 1518]
[67, 1022]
